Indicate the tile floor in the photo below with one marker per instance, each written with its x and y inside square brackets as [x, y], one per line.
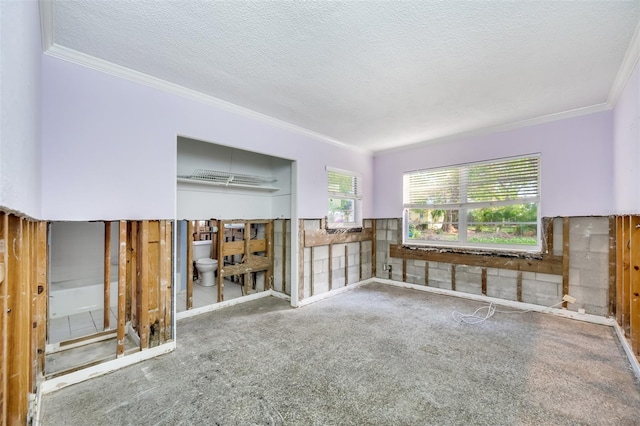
[78, 325]
[203, 296]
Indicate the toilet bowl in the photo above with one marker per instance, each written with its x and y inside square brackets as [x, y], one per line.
[206, 267]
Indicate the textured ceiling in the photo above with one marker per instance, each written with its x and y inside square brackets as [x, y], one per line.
[376, 75]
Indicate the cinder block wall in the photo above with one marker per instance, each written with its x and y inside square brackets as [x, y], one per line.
[350, 262]
[588, 263]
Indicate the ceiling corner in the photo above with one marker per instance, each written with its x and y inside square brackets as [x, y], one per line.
[626, 68]
[46, 23]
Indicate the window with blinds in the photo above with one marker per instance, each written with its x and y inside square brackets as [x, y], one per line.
[493, 204]
[344, 199]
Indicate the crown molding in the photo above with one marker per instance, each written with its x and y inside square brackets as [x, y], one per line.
[626, 68]
[46, 23]
[101, 65]
[501, 128]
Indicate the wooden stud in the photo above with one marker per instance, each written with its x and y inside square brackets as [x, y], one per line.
[246, 238]
[143, 286]
[634, 308]
[269, 235]
[484, 281]
[426, 273]
[190, 230]
[330, 272]
[168, 317]
[300, 258]
[311, 272]
[132, 277]
[122, 287]
[619, 267]
[565, 257]
[548, 230]
[164, 274]
[373, 248]
[42, 293]
[612, 266]
[284, 256]
[4, 286]
[107, 276]
[346, 265]
[519, 287]
[221, 266]
[453, 277]
[404, 270]
[359, 261]
[626, 283]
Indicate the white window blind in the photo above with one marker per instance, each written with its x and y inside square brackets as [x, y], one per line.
[344, 199]
[491, 203]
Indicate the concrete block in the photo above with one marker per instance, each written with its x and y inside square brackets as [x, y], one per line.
[502, 287]
[381, 234]
[468, 287]
[420, 263]
[321, 252]
[557, 279]
[507, 273]
[528, 276]
[588, 226]
[469, 269]
[391, 237]
[599, 244]
[440, 284]
[589, 261]
[466, 277]
[492, 271]
[392, 224]
[381, 224]
[578, 243]
[591, 296]
[440, 275]
[542, 288]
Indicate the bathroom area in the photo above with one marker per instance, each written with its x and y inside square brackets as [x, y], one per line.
[233, 228]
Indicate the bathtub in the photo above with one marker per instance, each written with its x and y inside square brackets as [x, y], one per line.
[76, 296]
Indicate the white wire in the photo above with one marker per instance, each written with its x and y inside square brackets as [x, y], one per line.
[474, 318]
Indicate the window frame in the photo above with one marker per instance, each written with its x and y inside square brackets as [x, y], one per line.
[356, 197]
[463, 206]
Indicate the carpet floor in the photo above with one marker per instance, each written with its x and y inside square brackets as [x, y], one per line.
[375, 355]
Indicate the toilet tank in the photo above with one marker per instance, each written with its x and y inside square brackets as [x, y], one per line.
[201, 249]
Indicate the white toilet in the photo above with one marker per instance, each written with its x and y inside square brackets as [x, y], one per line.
[204, 264]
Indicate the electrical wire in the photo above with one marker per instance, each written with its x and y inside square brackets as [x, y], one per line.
[477, 318]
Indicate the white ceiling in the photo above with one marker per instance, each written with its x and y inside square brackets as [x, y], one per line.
[376, 75]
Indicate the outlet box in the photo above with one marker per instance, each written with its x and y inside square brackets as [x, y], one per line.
[567, 298]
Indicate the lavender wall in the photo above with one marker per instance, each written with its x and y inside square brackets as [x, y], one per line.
[109, 147]
[576, 158]
[20, 106]
[626, 160]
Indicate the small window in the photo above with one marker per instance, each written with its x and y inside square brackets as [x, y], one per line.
[344, 199]
[493, 204]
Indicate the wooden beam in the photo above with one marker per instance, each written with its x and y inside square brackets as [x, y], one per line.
[319, 237]
[346, 265]
[269, 235]
[143, 285]
[373, 247]
[284, 256]
[311, 271]
[619, 267]
[484, 281]
[426, 273]
[190, 261]
[106, 304]
[548, 264]
[164, 276]
[4, 290]
[548, 232]
[612, 266]
[565, 257]
[360, 261]
[42, 292]
[169, 273]
[221, 265]
[233, 248]
[634, 309]
[519, 287]
[453, 277]
[300, 258]
[122, 287]
[626, 284]
[132, 271]
[404, 270]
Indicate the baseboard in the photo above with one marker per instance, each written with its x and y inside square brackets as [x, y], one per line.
[627, 349]
[210, 308]
[331, 293]
[594, 319]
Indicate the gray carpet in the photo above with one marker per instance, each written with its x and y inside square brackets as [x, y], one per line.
[376, 355]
